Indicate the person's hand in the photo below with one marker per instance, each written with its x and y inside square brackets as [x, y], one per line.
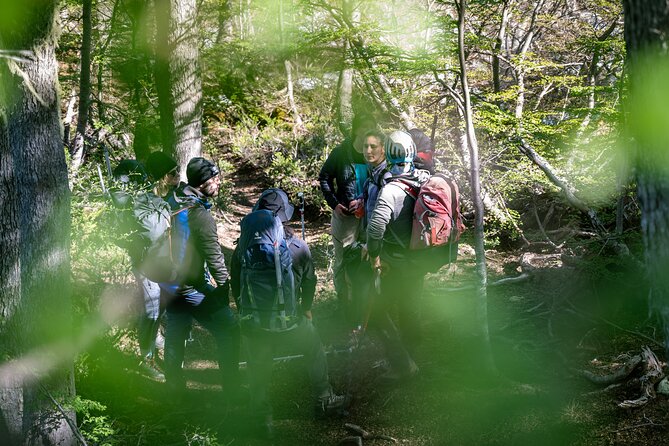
[308, 314]
[376, 263]
[357, 207]
[341, 211]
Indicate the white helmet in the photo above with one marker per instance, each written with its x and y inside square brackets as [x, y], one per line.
[400, 148]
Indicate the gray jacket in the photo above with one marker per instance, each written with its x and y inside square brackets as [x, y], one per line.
[389, 227]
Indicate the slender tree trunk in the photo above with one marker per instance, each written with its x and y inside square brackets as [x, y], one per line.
[107, 12]
[646, 38]
[499, 42]
[141, 72]
[479, 237]
[291, 97]
[79, 146]
[224, 22]
[344, 104]
[34, 237]
[289, 76]
[358, 51]
[593, 72]
[69, 116]
[178, 80]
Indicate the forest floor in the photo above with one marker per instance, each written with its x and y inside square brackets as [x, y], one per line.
[542, 331]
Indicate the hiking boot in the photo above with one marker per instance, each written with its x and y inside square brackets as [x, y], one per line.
[332, 405]
[149, 369]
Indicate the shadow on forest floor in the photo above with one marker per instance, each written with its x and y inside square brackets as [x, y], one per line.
[536, 399]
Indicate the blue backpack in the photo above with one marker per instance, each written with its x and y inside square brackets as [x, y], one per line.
[267, 298]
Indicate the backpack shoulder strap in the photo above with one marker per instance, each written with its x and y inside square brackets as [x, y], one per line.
[408, 189]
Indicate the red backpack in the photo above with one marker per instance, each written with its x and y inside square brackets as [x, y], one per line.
[437, 221]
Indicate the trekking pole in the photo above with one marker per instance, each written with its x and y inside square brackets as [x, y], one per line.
[300, 195]
[370, 302]
[102, 181]
[106, 154]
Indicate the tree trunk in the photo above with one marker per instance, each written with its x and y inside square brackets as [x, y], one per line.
[646, 38]
[69, 116]
[344, 110]
[35, 304]
[499, 42]
[298, 126]
[178, 81]
[358, 50]
[141, 73]
[224, 23]
[79, 145]
[107, 13]
[344, 103]
[479, 237]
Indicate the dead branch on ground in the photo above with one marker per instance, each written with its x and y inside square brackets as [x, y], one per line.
[652, 375]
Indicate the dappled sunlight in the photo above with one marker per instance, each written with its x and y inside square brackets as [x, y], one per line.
[46, 359]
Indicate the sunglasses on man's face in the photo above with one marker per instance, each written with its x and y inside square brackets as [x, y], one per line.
[174, 172]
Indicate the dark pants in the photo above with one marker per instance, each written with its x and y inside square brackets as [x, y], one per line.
[397, 315]
[362, 293]
[261, 345]
[214, 314]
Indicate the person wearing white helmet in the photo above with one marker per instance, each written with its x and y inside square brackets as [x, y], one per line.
[388, 238]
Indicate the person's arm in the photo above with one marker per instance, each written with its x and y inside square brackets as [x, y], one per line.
[326, 178]
[308, 285]
[378, 222]
[203, 228]
[235, 275]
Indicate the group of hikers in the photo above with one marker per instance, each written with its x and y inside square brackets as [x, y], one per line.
[373, 184]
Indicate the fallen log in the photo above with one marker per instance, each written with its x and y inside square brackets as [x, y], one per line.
[611, 378]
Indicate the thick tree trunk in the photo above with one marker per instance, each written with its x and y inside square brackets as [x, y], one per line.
[646, 38]
[479, 237]
[178, 79]
[34, 236]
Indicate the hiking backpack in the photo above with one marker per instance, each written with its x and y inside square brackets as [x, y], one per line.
[437, 221]
[424, 158]
[267, 297]
[152, 223]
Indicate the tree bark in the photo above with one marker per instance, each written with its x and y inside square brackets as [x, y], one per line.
[499, 42]
[646, 38]
[289, 77]
[344, 103]
[479, 237]
[141, 72]
[107, 13]
[224, 21]
[35, 307]
[79, 145]
[178, 80]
